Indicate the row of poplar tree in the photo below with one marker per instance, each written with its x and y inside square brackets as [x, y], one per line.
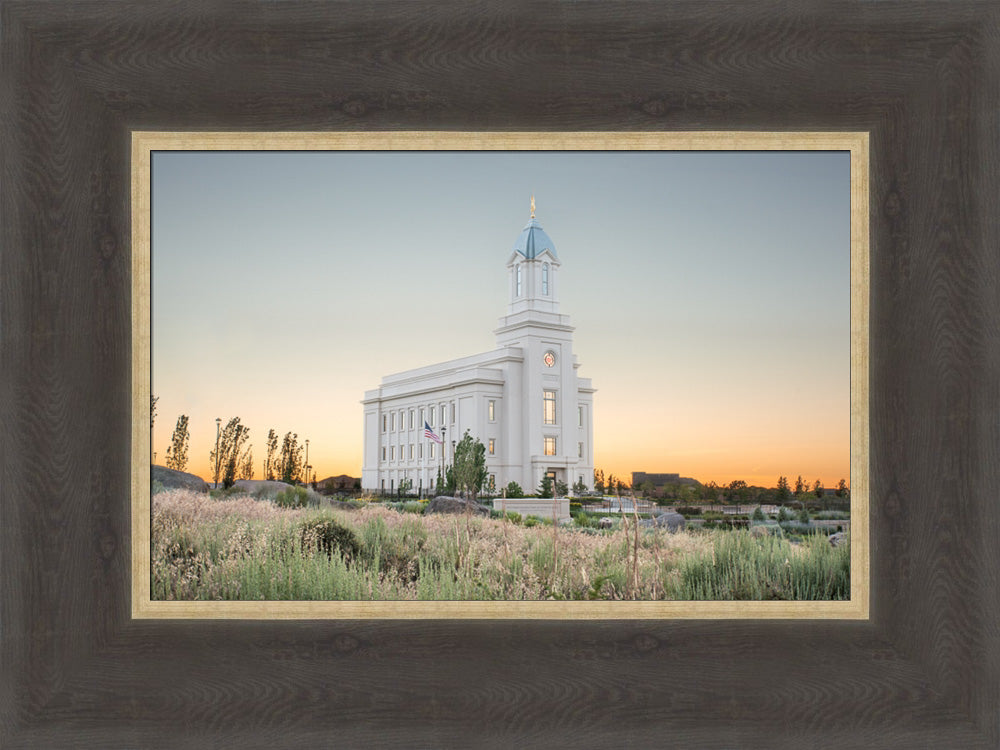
[233, 458]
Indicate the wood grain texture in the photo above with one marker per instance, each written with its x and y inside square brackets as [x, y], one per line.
[77, 671]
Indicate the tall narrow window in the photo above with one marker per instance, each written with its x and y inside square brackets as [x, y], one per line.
[493, 445]
[392, 452]
[432, 450]
[383, 453]
[550, 446]
[431, 413]
[517, 271]
[392, 422]
[453, 412]
[545, 279]
[579, 450]
[442, 415]
[420, 421]
[411, 450]
[579, 416]
[492, 411]
[420, 450]
[549, 407]
[411, 419]
[383, 422]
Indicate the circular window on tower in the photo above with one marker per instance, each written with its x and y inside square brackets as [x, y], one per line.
[549, 358]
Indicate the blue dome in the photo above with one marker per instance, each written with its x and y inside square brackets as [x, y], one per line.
[533, 241]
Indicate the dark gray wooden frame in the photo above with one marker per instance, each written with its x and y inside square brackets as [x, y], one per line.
[76, 671]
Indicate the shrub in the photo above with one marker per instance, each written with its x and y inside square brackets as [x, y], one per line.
[802, 516]
[514, 517]
[783, 514]
[688, 510]
[531, 521]
[514, 490]
[758, 514]
[831, 515]
[225, 493]
[326, 535]
[747, 568]
[575, 507]
[293, 497]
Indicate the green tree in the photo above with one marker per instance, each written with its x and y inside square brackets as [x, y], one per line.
[177, 451]
[545, 489]
[611, 483]
[152, 420]
[404, 485]
[710, 492]
[246, 468]
[470, 465]
[599, 480]
[231, 454]
[800, 486]
[579, 488]
[289, 466]
[818, 488]
[737, 490]
[842, 489]
[561, 488]
[439, 485]
[783, 494]
[272, 450]
[513, 489]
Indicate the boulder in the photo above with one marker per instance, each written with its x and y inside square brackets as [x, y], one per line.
[173, 479]
[671, 521]
[838, 539]
[605, 523]
[443, 504]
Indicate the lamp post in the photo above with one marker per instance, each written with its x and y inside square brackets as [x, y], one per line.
[218, 422]
[444, 445]
[307, 460]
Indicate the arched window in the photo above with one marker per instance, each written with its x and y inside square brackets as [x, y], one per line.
[545, 278]
[517, 270]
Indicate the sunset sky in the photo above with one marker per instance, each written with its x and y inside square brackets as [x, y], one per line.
[709, 290]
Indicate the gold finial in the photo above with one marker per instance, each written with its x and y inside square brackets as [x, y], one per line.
[532, 207]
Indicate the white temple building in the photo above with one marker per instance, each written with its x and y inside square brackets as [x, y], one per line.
[523, 400]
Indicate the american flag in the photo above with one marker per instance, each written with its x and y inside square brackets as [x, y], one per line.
[429, 433]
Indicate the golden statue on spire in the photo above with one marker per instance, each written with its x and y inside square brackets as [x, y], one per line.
[532, 207]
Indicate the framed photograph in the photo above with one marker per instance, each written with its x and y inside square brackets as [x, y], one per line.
[793, 210]
[79, 667]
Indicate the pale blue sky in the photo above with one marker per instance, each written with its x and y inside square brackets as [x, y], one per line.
[707, 289]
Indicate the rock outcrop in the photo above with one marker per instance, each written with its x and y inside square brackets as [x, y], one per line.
[173, 479]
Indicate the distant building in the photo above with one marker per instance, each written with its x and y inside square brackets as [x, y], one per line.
[338, 483]
[523, 400]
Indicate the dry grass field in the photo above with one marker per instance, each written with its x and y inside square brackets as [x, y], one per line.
[248, 548]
